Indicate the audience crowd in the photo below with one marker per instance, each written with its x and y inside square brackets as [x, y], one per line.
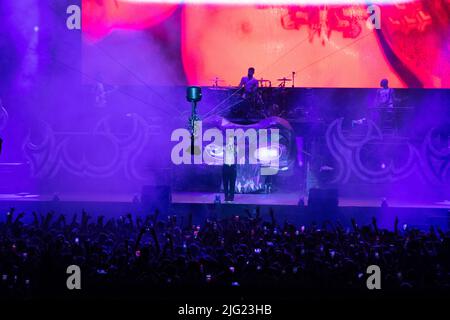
[121, 254]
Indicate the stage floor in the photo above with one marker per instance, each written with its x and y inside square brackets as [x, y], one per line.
[273, 199]
[292, 199]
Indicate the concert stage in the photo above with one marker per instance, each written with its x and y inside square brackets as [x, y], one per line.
[420, 214]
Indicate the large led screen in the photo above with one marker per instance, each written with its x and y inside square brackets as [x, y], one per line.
[309, 43]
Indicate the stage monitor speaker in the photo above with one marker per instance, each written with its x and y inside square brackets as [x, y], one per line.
[156, 197]
[323, 201]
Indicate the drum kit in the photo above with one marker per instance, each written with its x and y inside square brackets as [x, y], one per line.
[268, 100]
[263, 83]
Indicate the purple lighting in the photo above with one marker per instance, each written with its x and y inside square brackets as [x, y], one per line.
[288, 191]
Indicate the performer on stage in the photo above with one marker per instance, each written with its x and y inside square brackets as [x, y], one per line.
[248, 88]
[100, 94]
[383, 111]
[249, 83]
[229, 169]
[385, 95]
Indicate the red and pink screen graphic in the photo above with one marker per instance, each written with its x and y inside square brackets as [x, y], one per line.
[323, 43]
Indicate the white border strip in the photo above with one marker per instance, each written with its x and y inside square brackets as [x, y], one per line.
[271, 2]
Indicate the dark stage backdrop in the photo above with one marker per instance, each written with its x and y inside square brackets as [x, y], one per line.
[125, 144]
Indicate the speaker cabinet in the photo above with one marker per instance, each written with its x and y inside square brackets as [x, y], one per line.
[323, 200]
[156, 197]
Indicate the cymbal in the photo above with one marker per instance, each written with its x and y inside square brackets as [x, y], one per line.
[263, 80]
[284, 79]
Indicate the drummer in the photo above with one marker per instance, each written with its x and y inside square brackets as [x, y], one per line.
[249, 83]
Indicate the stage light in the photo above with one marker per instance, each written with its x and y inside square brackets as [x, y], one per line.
[268, 154]
[194, 94]
[215, 152]
[36, 28]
